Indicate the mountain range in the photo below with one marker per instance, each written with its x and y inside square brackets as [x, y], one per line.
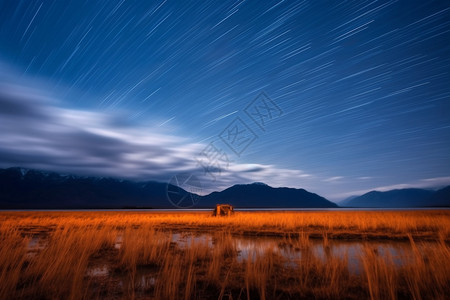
[23, 188]
[410, 197]
[33, 189]
[247, 195]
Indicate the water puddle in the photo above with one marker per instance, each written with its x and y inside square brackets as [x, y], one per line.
[147, 280]
[98, 271]
[186, 240]
[35, 245]
[292, 250]
[119, 241]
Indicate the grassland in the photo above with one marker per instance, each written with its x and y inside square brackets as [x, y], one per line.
[135, 255]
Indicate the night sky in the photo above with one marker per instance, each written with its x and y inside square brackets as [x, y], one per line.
[337, 97]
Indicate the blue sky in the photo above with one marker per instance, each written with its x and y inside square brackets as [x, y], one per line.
[139, 89]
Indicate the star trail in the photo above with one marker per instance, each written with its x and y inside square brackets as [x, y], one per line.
[138, 89]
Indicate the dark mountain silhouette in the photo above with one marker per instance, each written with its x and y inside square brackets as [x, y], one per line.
[23, 188]
[259, 195]
[441, 197]
[347, 200]
[401, 198]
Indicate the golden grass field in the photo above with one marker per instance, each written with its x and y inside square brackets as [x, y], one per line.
[138, 255]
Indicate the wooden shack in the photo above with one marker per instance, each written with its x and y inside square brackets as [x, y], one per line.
[223, 210]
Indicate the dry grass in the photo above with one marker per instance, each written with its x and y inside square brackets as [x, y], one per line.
[338, 224]
[144, 258]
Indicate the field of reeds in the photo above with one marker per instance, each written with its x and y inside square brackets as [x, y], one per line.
[250, 255]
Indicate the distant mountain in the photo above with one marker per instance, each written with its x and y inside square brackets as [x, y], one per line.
[401, 198]
[347, 200]
[441, 197]
[259, 195]
[24, 188]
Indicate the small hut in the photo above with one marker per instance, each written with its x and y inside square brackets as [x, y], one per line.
[223, 210]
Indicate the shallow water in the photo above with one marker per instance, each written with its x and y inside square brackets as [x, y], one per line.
[399, 252]
[98, 271]
[292, 250]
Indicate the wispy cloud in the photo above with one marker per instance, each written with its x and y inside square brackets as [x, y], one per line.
[37, 132]
[333, 179]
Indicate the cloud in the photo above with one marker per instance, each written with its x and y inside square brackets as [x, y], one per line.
[37, 132]
[437, 181]
[333, 179]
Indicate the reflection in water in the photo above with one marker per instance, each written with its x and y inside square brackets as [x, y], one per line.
[185, 240]
[36, 243]
[293, 250]
[98, 271]
[399, 252]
